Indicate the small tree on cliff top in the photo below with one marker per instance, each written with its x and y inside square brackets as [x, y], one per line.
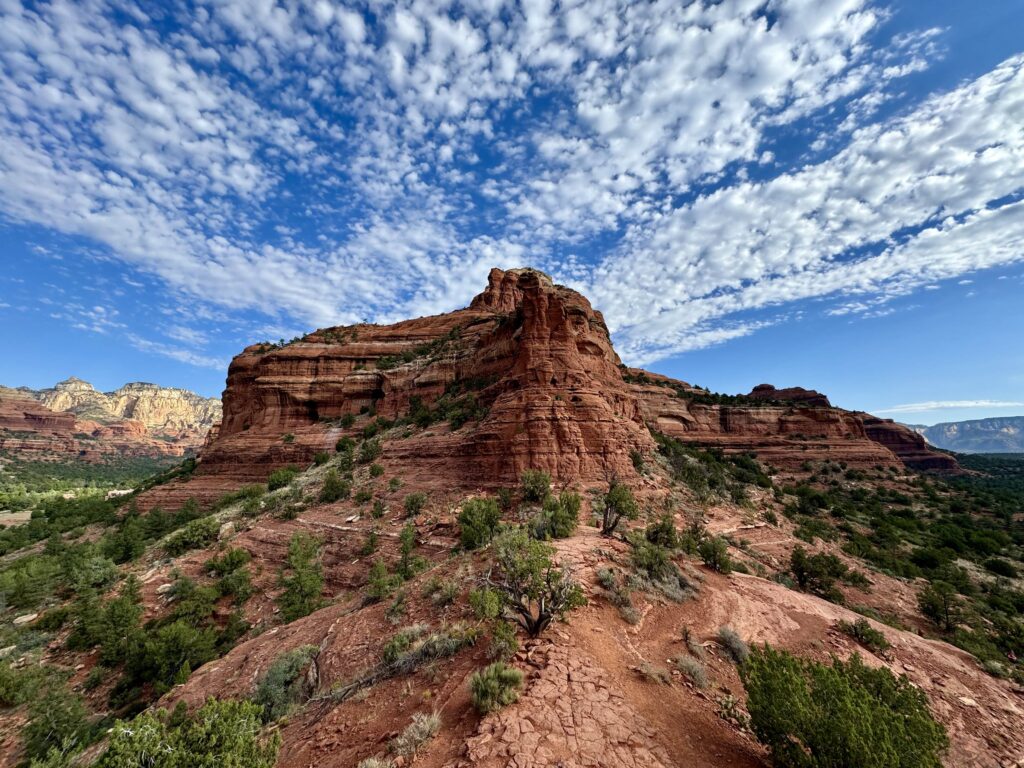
[535, 591]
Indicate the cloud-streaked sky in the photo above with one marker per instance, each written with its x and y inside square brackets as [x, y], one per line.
[815, 192]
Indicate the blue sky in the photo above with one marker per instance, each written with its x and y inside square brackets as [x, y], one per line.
[824, 193]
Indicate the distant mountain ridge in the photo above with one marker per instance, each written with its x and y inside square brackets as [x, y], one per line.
[166, 410]
[72, 421]
[999, 434]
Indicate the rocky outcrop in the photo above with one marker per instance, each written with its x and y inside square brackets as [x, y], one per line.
[807, 397]
[783, 436]
[910, 447]
[533, 358]
[534, 363]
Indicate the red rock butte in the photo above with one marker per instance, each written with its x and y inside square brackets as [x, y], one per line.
[549, 392]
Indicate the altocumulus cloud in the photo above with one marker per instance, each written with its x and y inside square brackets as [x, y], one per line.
[316, 164]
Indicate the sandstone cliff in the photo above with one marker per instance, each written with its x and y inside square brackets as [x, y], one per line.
[533, 362]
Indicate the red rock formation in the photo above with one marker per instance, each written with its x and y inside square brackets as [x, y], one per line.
[784, 436]
[912, 449]
[537, 358]
[790, 395]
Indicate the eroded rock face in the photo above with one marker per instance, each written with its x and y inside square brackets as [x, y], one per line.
[912, 449]
[790, 394]
[536, 357]
[537, 360]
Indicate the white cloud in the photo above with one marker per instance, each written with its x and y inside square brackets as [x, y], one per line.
[299, 161]
[938, 405]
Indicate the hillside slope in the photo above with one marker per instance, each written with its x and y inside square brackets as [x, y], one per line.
[330, 557]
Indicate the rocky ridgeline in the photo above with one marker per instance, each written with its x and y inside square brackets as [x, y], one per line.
[548, 392]
[74, 420]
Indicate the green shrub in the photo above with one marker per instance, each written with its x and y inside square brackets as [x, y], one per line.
[285, 684]
[559, 517]
[693, 669]
[1001, 567]
[377, 510]
[441, 592]
[321, 457]
[304, 580]
[408, 565]
[414, 503]
[380, 583]
[663, 532]
[56, 717]
[733, 644]
[862, 631]
[485, 602]
[618, 504]
[534, 589]
[334, 488]
[714, 552]
[369, 451]
[281, 477]
[172, 652]
[504, 644]
[369, 543]
[940, 603]
[229, 562]
[817, 573]
[221, 734]
[421, 730]
[345, 445]
[495, 686]
[478, 522]
[650, 559]
[376, 470]
[196, 534]
[535, 485]
[811, 715]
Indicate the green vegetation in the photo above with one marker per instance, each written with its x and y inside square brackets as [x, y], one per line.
[303, 580]
[534, 590]
[281, 477]
[285, 685]
[848, 714]
[558, 517]
[414, 503]
[221, 734]
[196, 534]
[478, 522]
[495, 686]
[334, 488]
[862, 631]
[535, 485]
[733, 644]
[618, 503]
[421, 730]
[714, 552]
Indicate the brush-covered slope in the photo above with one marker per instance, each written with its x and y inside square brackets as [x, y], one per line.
[316, 560]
